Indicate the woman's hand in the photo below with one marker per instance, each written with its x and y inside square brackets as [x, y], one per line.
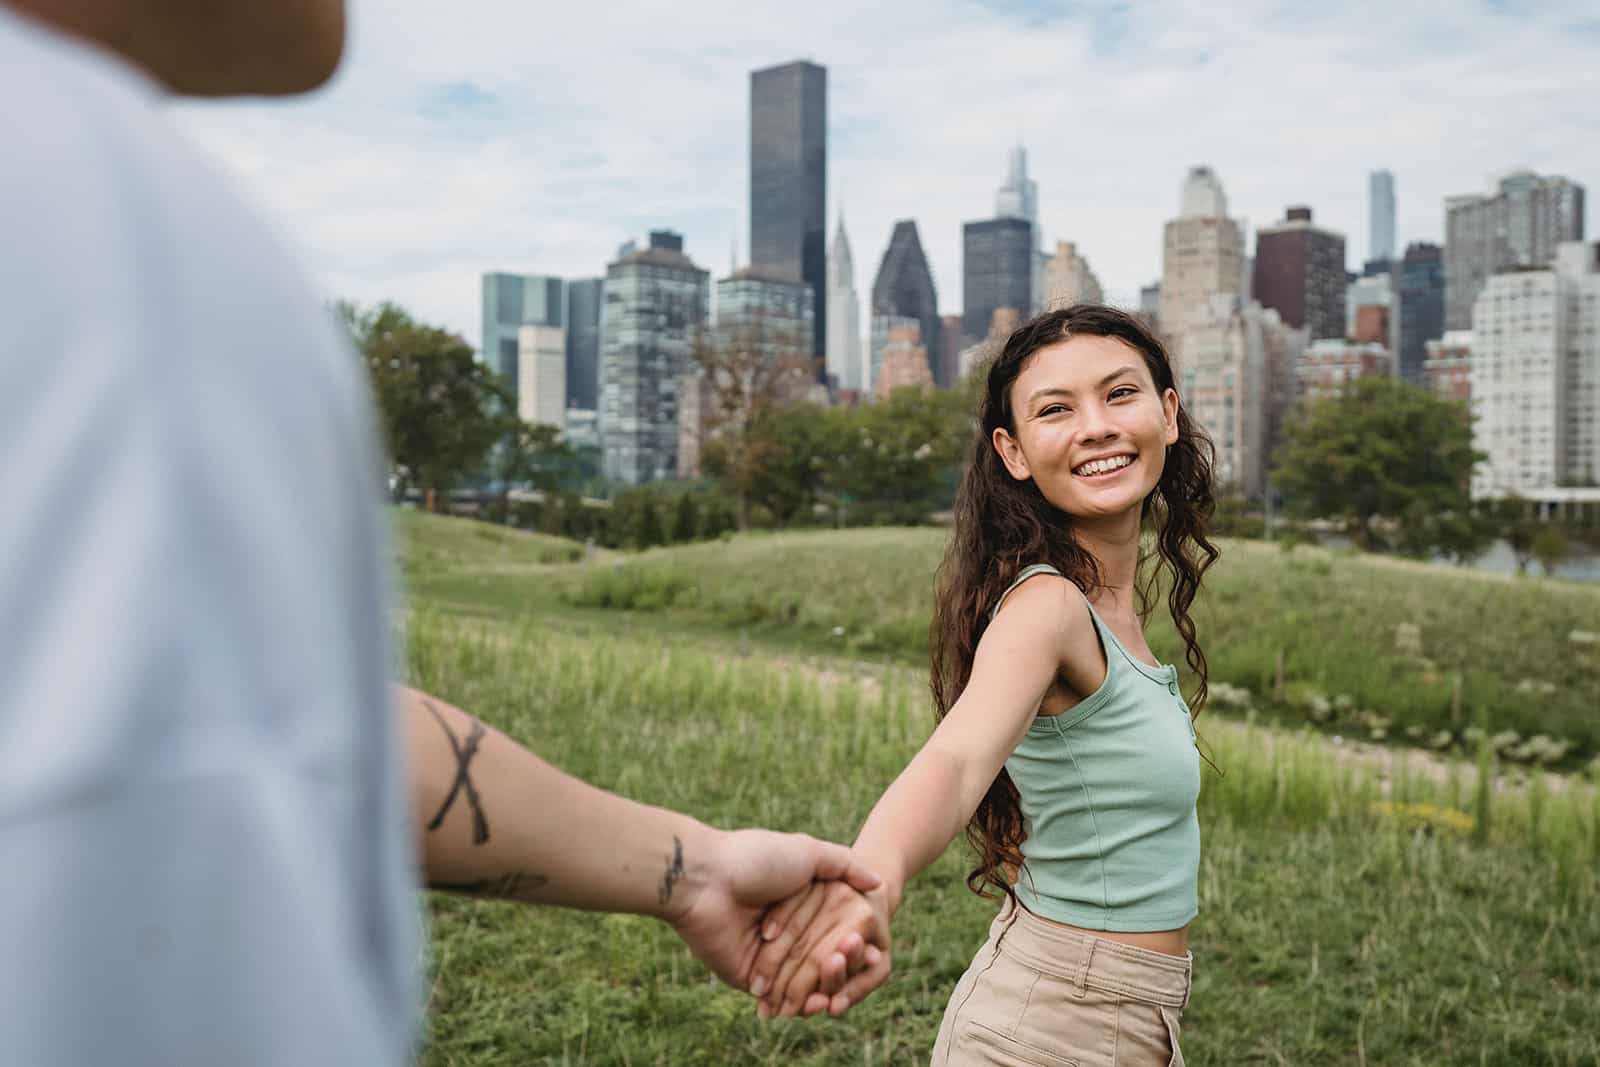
[825, 949]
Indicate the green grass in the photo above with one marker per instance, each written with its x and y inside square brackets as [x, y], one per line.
[1483, 649]
[1333, 930]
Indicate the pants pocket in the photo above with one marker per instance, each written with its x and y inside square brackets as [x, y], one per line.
[1174, 1025]
[983, 1046]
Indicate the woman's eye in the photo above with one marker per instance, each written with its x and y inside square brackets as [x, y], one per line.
[1053, 409]
[1123, 390]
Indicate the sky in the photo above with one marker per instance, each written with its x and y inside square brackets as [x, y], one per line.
[463, 138]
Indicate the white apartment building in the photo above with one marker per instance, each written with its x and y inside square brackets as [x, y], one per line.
[542, 375]
[1535, 374]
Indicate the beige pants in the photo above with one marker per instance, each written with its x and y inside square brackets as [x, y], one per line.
[1040, 995]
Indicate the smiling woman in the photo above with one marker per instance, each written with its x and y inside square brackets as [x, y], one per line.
[1062, 746]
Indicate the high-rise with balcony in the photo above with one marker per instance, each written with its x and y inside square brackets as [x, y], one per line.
[1520, 224]
[655, 310]
[789, 179]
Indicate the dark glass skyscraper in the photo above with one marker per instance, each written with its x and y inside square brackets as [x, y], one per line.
[510, 302]
[585, 298]
[1421, 300]
[789, 179]
[904, 289]
[996, 272]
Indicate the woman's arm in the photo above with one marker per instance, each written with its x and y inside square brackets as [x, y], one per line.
[932, 800]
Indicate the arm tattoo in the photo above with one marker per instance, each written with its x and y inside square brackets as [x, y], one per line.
[464, 752]
[518, 885]
[673, 873]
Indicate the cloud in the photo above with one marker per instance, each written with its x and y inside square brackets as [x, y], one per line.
[504, 136]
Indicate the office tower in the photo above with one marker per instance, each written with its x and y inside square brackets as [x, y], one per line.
[1202, 257]
[951, 342]
[510, 302]
[1535, 375]
[542, 375]
[1018, 197]
[1238, 361]
[843, 362]
[1300, 272]
[1380, 215]
[585, 298]
[904, 288]
[1069, 280]
[655, 312]
[768, 313]
[1420, 301]
[1520, 224]
[997, 271]
[789, 179]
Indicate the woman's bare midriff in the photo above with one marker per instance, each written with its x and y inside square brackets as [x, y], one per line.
[1169, 942]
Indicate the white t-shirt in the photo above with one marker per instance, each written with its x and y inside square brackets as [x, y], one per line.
[205, 856]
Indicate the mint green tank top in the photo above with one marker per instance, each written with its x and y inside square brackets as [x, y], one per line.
[1108, 792]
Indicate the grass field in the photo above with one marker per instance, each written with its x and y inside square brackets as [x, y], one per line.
[1351, 912]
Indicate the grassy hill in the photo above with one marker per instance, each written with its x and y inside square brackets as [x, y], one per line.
[1368, 644]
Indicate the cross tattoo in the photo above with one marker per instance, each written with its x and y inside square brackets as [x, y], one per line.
[464, 752]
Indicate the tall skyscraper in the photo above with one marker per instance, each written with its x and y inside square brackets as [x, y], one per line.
[1202, 258]
[1420, 300]
[1018, 197]
[1300, 271]
[789, 178]
[904, 288]
[510, 302]
[1380, 215]
[996, 271]
[655, 309]
[844, 323]
[585, 298]
[1535, 375]
[1519, 225]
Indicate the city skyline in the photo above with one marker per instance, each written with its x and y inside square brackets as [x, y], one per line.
[414, 174]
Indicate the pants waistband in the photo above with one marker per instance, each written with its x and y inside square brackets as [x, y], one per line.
[1092, 962]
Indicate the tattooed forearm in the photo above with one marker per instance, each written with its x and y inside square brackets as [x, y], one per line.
[464, 751]
[518, 885]
[673, 872]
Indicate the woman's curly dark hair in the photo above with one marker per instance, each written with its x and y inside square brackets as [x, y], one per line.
[1002, 525]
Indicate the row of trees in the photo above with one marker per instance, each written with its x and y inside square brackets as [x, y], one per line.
[1389, 459]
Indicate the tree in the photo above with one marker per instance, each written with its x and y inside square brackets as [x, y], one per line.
[1514, 519]
[1378, 448]
[896, 460]
[748, 370]
[1550, 546]
[440, 408]
[685, 519]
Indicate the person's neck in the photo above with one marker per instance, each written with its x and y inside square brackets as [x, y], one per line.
[1114, 544]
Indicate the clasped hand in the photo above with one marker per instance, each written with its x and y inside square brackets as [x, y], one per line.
[824, 948]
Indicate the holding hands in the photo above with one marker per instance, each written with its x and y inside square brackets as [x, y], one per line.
[825, 948]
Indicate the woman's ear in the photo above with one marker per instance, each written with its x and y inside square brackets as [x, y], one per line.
[1169, 408]
[1011, 454]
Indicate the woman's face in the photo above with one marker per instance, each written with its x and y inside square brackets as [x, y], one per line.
[1091, 428]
